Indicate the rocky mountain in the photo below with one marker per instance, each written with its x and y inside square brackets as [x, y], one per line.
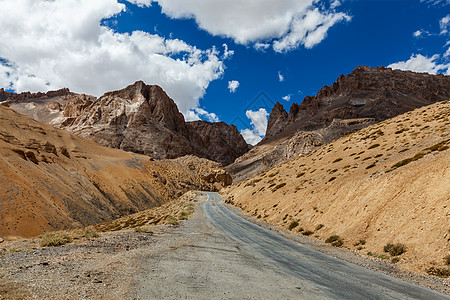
[140, 118]
[388, 183]
[364, 97]
[4, 95]
[51, 179]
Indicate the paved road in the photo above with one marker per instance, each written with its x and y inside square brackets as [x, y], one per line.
[337, 279]
[218, 255]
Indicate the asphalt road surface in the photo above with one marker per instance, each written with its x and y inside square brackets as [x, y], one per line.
[219, 255]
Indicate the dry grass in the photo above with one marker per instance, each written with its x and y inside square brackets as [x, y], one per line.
[56, 238]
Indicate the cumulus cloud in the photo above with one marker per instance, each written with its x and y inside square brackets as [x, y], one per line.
[280, 77]
[233, 85]
[258, 121]
[198, 114]
[284, 24]
[287, 98]
[423, 64]
[62, 43]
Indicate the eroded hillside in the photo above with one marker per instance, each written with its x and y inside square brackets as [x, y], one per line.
[51, 179]
[388, 183]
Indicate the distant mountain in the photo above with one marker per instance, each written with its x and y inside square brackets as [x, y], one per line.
[364, 97]
[140, 118]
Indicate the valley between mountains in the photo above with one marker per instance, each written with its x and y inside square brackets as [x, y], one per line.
[346, 197]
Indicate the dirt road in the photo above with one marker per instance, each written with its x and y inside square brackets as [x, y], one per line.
[219, 255]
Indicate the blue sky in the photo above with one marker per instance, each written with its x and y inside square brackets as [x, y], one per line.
[198, 50]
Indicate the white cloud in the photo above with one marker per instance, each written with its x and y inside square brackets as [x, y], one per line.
[444, 24]
[250, 136]
[233, 85]
[420, 33]
[437, 2]
[198, 114]
[141, 3]
[261, 46]
[226, 52]
[423, 64]
[258, 121]
[309, 30]
[280, 77]
[285, 24]
[287, 98]
[61, 43]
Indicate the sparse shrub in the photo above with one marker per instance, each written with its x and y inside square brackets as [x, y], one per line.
[378, 155]
[337, 160]
[273, 174]
[447, 260]
[172, 221]
[89, 233]
[143, 229]
[395, 250]
[362, 242]
[395, 260]
[374, 146]
[278, 187]
[300, 174]
[307, 232]
[337, 243]
[320, 226]
[300, 229]
[371, 166]
[440, 272]
[56, 238]
[360, 248]
[332, 238]
[332, 178]
[293, 225]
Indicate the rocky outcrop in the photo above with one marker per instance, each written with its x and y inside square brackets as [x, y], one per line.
[220, 142]
[362, 98]
[277, 120]
[140, 118]
[143, 119]
[4, 94]
[377, 93]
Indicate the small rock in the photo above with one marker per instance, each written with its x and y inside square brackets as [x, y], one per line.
[1, 240]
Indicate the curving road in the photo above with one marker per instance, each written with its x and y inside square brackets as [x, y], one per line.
[219, 255]
[337, 279]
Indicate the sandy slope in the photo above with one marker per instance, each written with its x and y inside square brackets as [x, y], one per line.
[51, 179]
[352, 189]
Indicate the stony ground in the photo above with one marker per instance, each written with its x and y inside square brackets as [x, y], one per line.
[120, 264]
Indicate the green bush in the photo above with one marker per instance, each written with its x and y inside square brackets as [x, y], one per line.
[337, 160]
[320, 226]
[374, 146]
[307, 232]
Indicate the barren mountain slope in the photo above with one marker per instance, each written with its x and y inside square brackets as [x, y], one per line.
[52, 179]
[355, 101]
[139, 118]
[387, 183]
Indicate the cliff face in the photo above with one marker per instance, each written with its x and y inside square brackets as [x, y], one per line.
[140, 118]
[364, 97]
[219, 140]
